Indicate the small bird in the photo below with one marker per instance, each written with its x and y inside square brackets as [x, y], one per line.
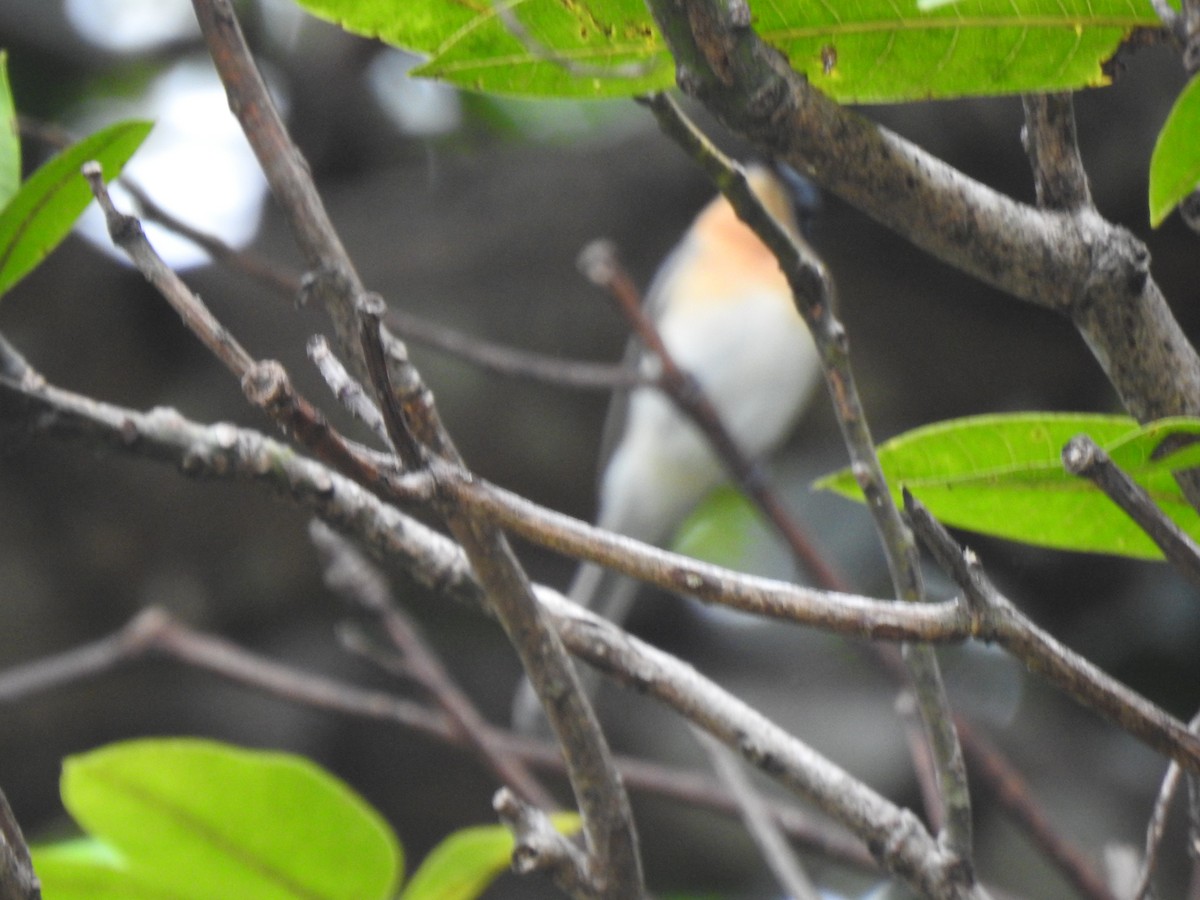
[725, 313]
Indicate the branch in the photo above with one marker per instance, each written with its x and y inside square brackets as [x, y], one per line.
[509, 361]
[814, 295]
[1084, 457]
[1045, 656]
[414, 428]
[758, 820]
[17, 878]
[1050, 141]
[154, 633]
[896, 836]
[227, 452]
[1079, 264]
[357, 580]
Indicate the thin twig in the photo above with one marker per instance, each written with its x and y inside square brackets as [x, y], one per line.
[1053, 150]
[126, 232]
[1006, 787]
[348, 391]
[614, 865]
[224, 451]
[18, 881]
[1155, 829]
[154, 633]
[812, 288]
[504, 360]
[1084, 457]
[357, 579]
[758, 820]
[1043, 654]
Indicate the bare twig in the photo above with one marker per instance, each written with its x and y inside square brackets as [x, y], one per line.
[1041, 652]
[1050, 141]
[413, 427]
[538, 845]
[154, 633]
[758, 819]
[17, 878]
[510, 361]
[1007, 788]
[1084, 457]
[348, 391]
[812, 288]
[1092, 270]
[356, 578]
[1155, 829]
[126, 232]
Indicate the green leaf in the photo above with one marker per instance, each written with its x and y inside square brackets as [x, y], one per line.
[41, 214]
[866, 51]
[1002, 475]
[465, 863]
[196, 819]
[10, 140]
[1175, 163]
[881, 51]
[719, 529]
[470, 46]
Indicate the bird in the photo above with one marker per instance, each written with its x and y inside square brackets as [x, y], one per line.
[725, 313]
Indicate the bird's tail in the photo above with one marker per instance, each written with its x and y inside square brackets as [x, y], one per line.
[608, 594]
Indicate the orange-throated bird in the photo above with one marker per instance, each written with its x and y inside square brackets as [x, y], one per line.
[726, 314]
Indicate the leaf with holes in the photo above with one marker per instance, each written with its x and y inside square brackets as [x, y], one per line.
[1002, 475]
[46, 206]
[193, 820]
[865, 51]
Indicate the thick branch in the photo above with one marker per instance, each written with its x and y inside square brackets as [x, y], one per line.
[1079, 264]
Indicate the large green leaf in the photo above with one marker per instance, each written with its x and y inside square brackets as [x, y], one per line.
[1002, 475]
[193, 820]
[470, 45]
[854, 50]
[10, 141]
[47, 205]
[1175, 164]
[466, 862]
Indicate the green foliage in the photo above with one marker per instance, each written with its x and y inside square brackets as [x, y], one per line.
[1175, 164]
[45, 207]
[466, 862]
[187, 818]
[1002, 475]
[10, 141]
[193, 820]
[866, 51]
[470, 46]
[719, 530]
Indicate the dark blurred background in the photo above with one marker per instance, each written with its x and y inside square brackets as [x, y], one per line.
[470, 211]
